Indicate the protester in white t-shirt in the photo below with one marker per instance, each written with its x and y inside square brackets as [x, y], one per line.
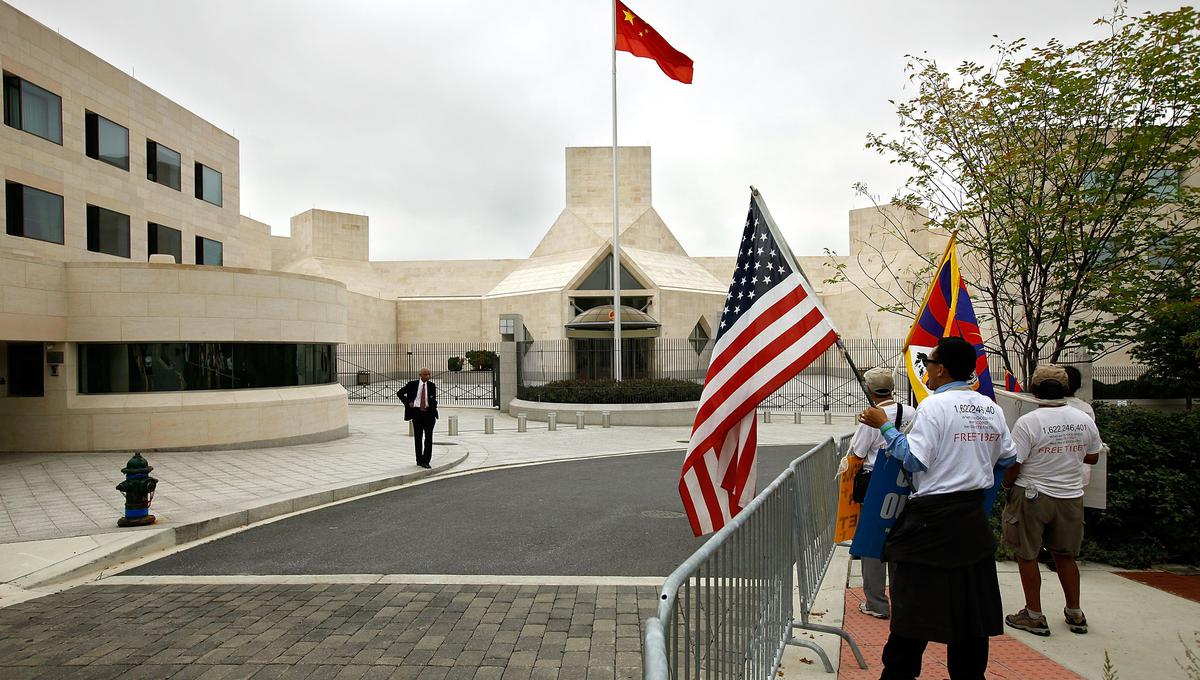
[945, 587]
[867, 444]
[1045, 499]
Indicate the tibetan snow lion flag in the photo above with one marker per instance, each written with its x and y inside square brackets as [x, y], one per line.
[772, 327]
[947, 311]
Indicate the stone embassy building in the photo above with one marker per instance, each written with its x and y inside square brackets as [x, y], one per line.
[140, 310]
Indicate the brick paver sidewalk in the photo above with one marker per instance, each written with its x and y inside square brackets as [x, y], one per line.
[1008, 659]
[298, 631]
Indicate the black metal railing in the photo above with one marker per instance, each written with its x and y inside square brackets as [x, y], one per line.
[466, 373]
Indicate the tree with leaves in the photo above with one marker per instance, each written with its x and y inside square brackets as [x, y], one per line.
[1169, 344]
[1069, 173]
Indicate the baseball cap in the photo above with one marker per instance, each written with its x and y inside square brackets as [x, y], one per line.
[1049, 373]
[879, 381]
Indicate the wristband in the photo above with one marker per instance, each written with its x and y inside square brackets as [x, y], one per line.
[884, 428]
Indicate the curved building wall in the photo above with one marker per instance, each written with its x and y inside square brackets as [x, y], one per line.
[134, 302]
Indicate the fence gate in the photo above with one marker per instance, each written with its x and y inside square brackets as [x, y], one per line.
[467, 374]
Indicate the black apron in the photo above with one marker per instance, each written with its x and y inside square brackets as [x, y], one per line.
[945, 587]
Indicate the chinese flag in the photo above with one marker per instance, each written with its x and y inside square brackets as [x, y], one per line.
[641, 40]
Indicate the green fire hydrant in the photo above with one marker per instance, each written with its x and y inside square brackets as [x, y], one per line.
[138, 488]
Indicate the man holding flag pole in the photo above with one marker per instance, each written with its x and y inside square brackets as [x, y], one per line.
[945, 587]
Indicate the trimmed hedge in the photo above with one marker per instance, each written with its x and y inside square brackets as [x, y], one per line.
[1153, 513]
[1142, 388]
[633, 391]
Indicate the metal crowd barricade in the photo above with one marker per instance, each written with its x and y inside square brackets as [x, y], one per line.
[816, 516]
[728, 611]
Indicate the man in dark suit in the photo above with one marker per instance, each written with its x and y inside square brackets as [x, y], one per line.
[420, 406]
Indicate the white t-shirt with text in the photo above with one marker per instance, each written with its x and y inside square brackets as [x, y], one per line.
[868, 441]
[1051, 443]
[958, 435]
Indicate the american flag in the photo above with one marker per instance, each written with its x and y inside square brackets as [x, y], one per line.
[772, 327]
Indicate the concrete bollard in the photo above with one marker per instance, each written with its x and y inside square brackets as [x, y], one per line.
[766, 416]
[828, 417]
[452, 426]
[410, 428]
[489, 424]
[796, 418]
[579, 424]
[522, 419]
[606, 419]
[552, 421]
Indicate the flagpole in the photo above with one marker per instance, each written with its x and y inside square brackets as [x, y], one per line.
[616, 245]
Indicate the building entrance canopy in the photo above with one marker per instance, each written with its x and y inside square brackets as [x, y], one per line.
[597, 322]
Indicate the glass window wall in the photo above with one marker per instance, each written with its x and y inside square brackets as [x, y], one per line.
[117, 368]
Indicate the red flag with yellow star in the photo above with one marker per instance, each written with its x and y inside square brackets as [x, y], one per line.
[641, 40]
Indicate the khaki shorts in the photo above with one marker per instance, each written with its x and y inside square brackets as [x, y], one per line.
[1056, 523]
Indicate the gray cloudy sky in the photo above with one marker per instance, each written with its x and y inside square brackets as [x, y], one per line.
[446, 121]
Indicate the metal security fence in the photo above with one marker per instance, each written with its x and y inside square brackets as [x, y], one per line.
[728, 611]
[544, 361]
[373, 373]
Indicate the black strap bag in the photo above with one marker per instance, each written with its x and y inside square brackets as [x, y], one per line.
[862, 479]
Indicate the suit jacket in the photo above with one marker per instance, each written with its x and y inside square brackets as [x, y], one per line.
[409, 394]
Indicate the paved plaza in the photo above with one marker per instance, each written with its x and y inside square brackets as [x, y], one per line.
[348, 589]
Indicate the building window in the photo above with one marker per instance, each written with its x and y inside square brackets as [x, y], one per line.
[162, 240]
[107, 231]
[163, 165]
[32, 109]
[107, 141]
[698, 337]
[33, 213]
[600, 278]
[26, 369]
[208, 184]
[208, 251]
[108, 368]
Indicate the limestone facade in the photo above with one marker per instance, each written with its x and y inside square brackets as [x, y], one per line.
[62, 294]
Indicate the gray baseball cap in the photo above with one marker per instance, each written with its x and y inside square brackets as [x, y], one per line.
[879, 381]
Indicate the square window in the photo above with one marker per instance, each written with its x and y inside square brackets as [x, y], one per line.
[165, 241]
[107, 141]
[208, 184]
[208, 251]
[33, 109]
[163, 165]
[33, 213]
[107, 231]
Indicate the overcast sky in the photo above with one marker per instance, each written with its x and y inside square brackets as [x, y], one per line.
[446, 121]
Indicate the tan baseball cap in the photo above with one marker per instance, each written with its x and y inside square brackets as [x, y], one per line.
[879, 381]
[1049, 373]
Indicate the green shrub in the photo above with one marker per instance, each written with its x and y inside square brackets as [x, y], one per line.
[482, 359]
[1153, 513]
[634, 391]
[454, 364]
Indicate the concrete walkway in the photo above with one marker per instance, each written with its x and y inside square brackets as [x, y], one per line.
[58, 526]
[58, 512]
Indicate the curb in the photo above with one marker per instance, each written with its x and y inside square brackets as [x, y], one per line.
[100, 558]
